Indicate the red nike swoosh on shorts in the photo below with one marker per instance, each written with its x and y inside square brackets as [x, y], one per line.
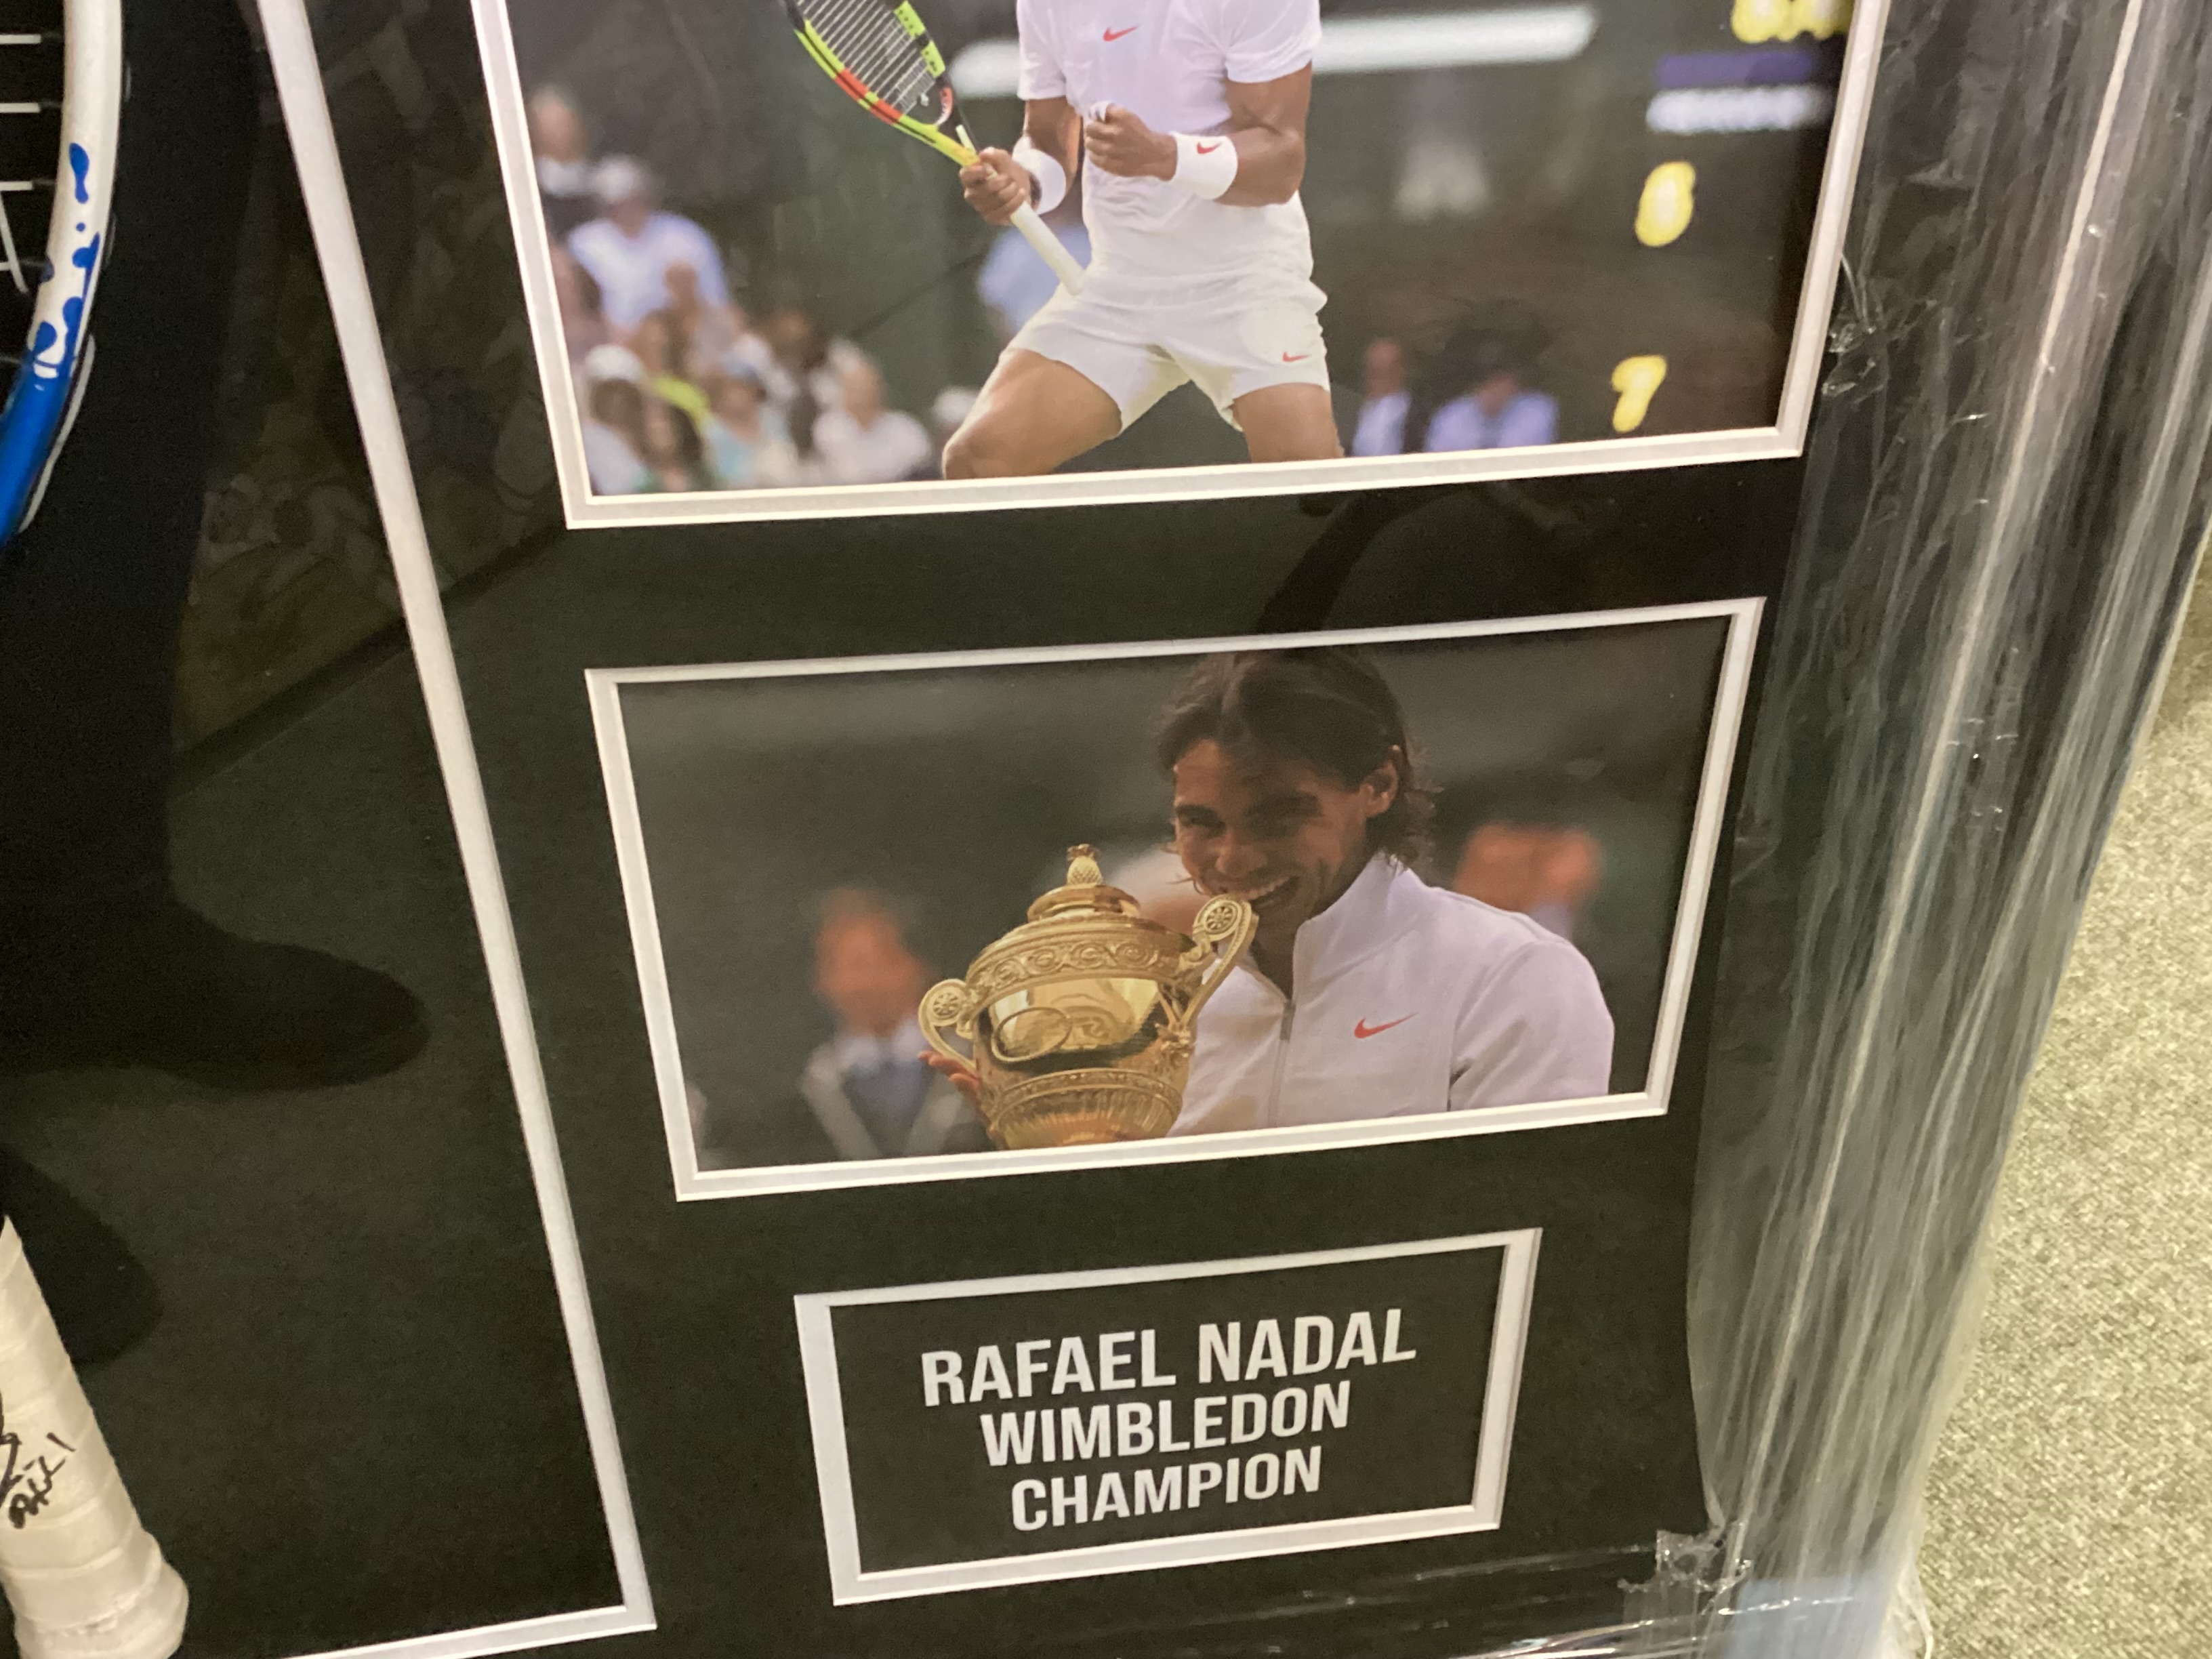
[1363, 1029]
[1300, 358]
[1113, 35]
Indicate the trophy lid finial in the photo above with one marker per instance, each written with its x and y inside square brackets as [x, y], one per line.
[1084, 892]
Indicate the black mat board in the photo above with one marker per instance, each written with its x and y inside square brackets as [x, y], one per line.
[354, 1420]
[712, 1410]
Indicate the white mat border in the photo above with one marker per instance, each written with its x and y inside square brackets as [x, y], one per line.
[1483, 1511]
[337, 247]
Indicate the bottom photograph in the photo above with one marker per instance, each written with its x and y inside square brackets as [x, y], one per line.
[964, 914]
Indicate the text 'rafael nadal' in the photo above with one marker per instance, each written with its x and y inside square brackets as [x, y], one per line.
[1115, 1361]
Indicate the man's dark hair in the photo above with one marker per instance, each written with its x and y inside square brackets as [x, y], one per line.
[849, 906]
[1325, 707]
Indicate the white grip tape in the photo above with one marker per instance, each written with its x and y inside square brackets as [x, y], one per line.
[1051, 176]
[1206, 164]
[85, 1579]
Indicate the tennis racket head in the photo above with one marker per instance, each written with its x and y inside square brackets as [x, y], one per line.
[880, 55]
[61, 96]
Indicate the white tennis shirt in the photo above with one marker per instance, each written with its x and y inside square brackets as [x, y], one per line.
[1409, 998]
[1169, 62]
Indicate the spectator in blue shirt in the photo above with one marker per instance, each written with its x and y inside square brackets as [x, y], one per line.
[1014, 282]
[1484, 376]
[630, 247]
[1499, 409]
[1381, 429]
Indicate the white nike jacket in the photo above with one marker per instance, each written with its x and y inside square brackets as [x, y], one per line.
[1409, 999]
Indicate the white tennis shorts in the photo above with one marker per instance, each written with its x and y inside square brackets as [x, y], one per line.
[1138, 340]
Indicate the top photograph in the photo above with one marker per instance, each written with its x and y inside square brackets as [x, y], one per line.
[801, 258]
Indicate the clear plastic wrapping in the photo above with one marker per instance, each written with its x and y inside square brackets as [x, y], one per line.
[2002, 507]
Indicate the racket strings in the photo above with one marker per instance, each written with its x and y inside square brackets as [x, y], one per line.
[30, 133]
[876, 50]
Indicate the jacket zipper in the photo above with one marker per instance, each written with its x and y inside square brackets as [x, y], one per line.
[1282, 1062]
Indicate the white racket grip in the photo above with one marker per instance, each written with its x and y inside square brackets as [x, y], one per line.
[1050, 248]
[85, 1579]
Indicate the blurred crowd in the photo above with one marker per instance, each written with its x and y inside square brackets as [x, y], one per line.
[680, 389]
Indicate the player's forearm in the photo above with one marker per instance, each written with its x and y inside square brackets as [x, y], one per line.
[1052, 126]
[1254, 165]
[1270, 165]
[1267, 122]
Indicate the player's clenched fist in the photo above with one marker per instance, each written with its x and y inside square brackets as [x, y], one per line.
[1121, 145]
[997, 185]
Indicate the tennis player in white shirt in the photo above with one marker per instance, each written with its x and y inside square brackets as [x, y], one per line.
[1188, 120]
[1367, 993]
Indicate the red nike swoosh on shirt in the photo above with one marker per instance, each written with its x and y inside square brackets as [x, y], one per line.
[1113, 35]
[1363, 1029]
[1300, 358]
[1208, 149]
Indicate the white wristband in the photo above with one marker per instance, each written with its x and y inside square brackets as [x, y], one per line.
[1051, 176]
[1206, 164]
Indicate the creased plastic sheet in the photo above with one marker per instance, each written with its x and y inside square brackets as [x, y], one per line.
[2002, 507]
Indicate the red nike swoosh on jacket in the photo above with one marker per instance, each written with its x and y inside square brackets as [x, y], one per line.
[1363, 1029]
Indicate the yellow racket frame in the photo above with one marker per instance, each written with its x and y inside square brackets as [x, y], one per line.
[955, 145]
[828, 62]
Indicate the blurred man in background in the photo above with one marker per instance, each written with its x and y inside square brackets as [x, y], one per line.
[1381, 429]
[867, 1088]
[1546, 871]
[562, 147]
[630, 246]
[1497, 406]
[864, 440]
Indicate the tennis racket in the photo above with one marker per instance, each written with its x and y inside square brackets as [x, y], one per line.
[881, 57]
[85, 1579]
[61, 94]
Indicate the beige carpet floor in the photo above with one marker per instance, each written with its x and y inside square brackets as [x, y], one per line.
[2070, 1509]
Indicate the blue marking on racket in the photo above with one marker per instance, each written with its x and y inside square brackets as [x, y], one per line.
[49, 381]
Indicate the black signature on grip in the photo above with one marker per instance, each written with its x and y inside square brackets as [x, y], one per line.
[27, 1487]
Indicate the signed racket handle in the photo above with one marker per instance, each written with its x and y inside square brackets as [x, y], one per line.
[85, 1579]
[1050, 248]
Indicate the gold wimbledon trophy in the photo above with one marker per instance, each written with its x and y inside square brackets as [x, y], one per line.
[1080, 1022]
